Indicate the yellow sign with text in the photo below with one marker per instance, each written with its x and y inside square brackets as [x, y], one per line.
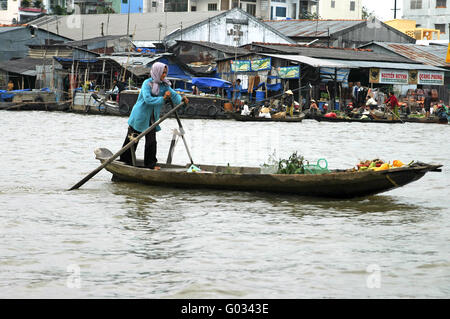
[447, 59]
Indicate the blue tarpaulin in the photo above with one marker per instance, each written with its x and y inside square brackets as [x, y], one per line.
[211, 82]
[175, 71]
[79, 60]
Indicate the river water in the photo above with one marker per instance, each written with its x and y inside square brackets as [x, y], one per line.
[124, 240]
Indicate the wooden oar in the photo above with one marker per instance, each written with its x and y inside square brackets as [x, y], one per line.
[126, 147]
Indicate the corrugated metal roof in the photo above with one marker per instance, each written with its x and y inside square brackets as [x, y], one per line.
[312, 61]
[385, 65]
[6, 29]
[96, 39]
[427, 54]
[144, 26]
[144, 44]
[220, 47]
[136, 65]
[25, 66]
[330, 53]
[311, 28]
[132, 60]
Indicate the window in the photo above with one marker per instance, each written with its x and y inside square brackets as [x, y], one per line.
[352, 5]
[193, 8]
[282, 1]
[280, 11]
[124, 1]
[416, 4]
[333, 4]
[176, 5]
[3, 4]
[441, 3]
[440, 27]
[212, 6]
[251, 9]
[154, 4]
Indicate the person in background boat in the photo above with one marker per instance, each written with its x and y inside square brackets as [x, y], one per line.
[313, 108]
[371, 103]
[245, 111]
[427, 104]
[325, 108]
[393, 103]
[117, 87]
[10, 85]
[289, 102]
[355, 91]
[265, 112]
[154, 92]
[237, 95]
[195, 90]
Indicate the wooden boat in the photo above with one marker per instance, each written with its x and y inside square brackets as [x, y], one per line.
[249, 118]
[322, 118]
[91, 103]
[336, 184]
[430, 120]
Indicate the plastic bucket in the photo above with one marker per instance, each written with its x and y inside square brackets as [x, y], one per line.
[260, 95]
[228, 107]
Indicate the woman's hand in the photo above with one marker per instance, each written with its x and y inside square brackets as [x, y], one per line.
[167, 95]
[185, 100]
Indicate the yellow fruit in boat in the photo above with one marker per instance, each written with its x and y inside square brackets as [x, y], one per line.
[397, 163]
[384, 166]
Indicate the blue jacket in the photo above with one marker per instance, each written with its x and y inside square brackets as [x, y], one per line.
[147, 104]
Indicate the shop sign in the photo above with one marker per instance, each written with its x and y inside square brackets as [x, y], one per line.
[240, 66]
[261, 64]
[388, 76]
[289, 72]
[430, 78]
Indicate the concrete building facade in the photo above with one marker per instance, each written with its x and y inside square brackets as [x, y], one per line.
[429, 14]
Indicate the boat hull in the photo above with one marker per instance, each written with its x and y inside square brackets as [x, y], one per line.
[337, 119]
[247, 118]
[337, 184]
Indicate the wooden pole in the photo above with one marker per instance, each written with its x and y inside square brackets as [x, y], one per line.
[126, 147]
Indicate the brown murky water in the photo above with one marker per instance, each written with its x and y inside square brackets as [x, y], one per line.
[126, 240]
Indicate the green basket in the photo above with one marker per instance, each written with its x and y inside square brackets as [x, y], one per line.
[317, 168]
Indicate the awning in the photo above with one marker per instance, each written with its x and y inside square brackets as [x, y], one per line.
[211, 82]
[317, 63]
[23, 66]
[385, 65]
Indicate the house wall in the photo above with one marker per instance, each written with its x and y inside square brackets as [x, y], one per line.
[341, 9]
[13, 44]
[429, 15]
[218, 30]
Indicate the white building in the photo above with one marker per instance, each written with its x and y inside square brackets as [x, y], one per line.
[340, 9]
[429, 14]
[9, 11]
[265, 9]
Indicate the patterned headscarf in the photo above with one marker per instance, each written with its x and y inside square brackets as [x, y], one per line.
[156, 72]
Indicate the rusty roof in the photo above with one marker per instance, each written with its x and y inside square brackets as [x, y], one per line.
[311, 28]
[426, 54]
[327, 52]
[217, 46]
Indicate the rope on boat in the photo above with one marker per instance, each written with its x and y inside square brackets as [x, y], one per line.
[133, 137]
[391, 180]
